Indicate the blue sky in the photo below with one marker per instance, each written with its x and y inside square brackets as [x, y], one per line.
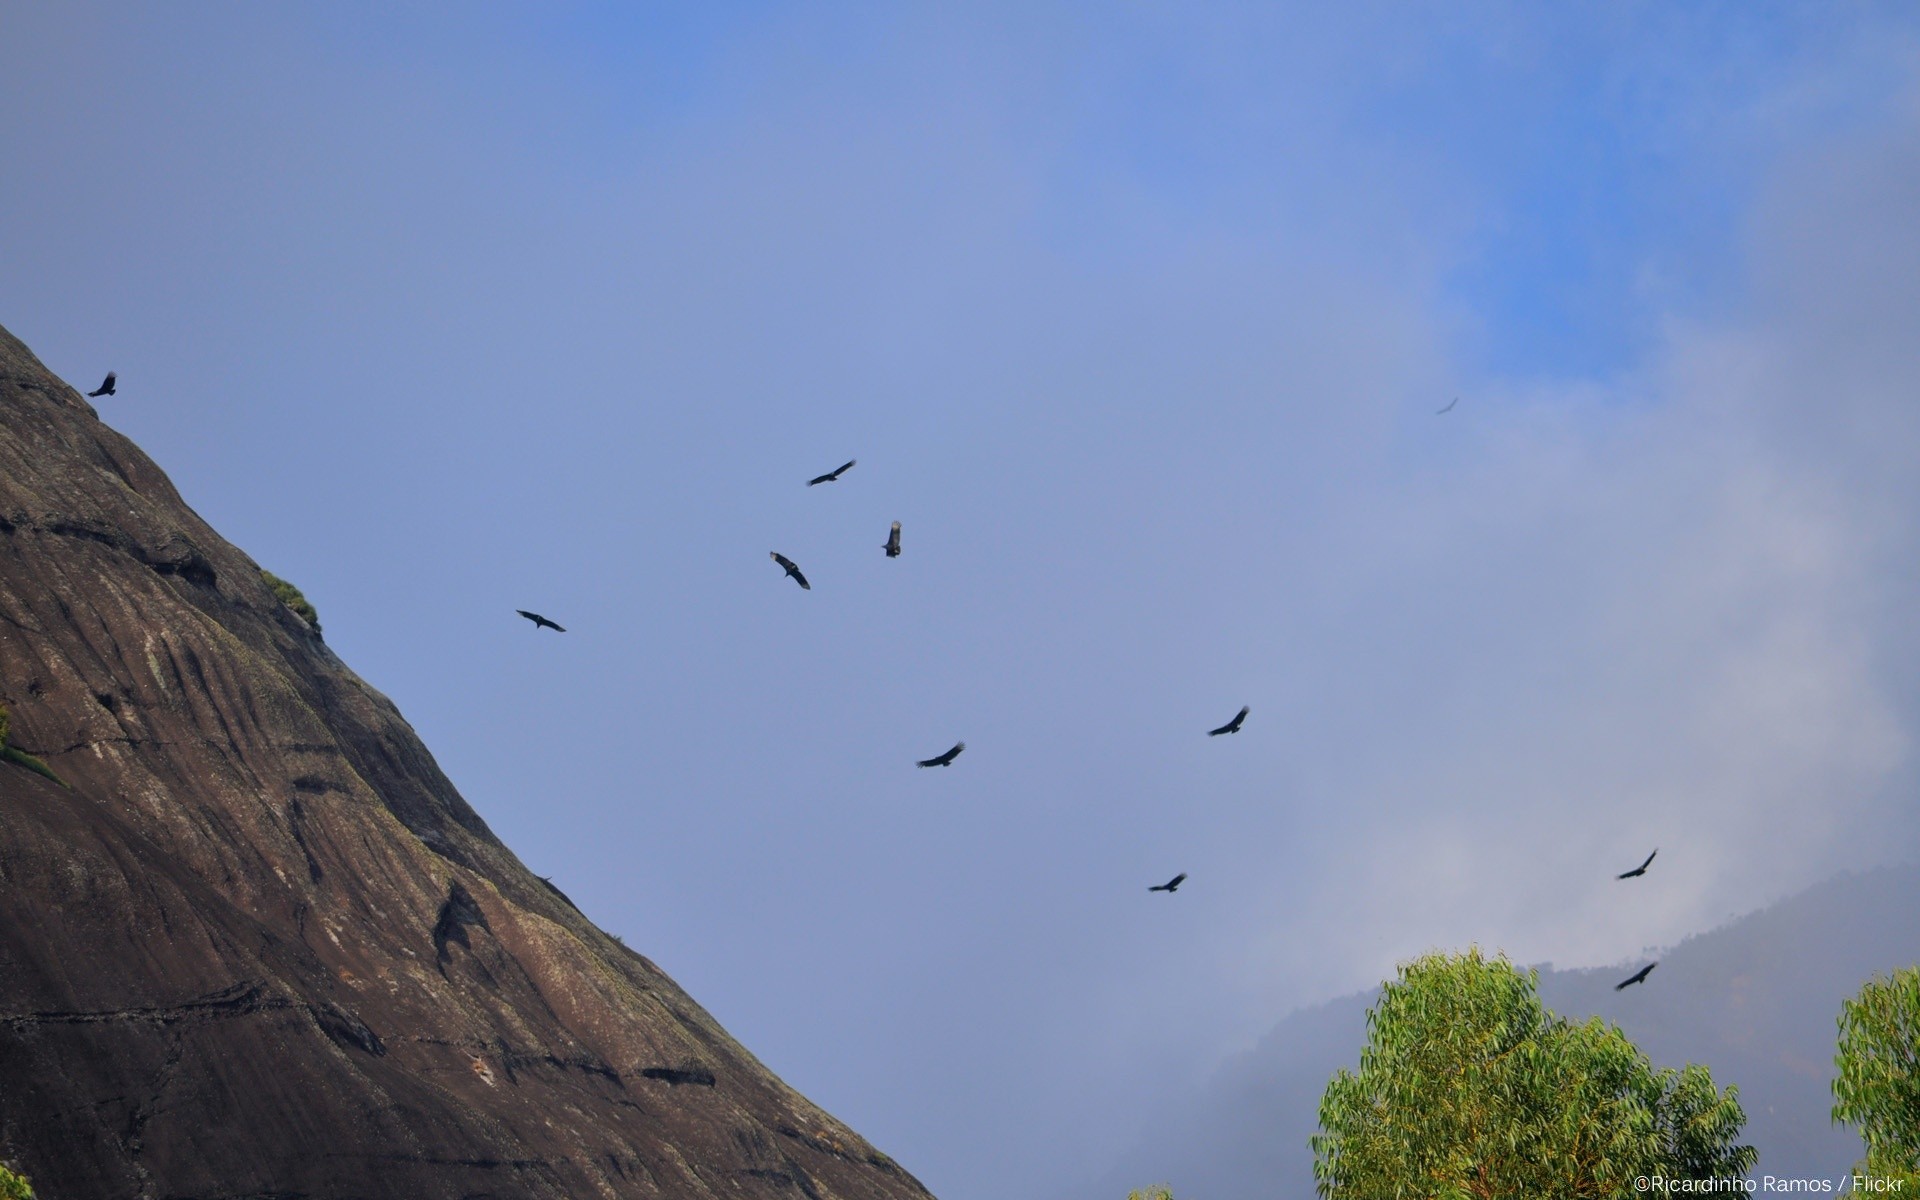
[1136, 317]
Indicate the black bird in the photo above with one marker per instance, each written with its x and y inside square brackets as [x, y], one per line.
[105, 389]
[1171, 885]
[893, 542]
[786, 564]
[1449, 408]
[1637, 871]
[944, 760]
[538, 621]
[832, 475]
[1232, 726]
[1639, 976]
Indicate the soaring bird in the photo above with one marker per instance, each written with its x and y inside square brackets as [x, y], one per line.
[832, 475]
[893, 542]
[944, 760]
[105, 389]
[1637, 871]
[1171, 885]
[786, 564]
[1639, 976]
[1232, 726]
[539, 621]
[1449, 408]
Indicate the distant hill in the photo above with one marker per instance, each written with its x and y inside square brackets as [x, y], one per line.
[1755, 1001]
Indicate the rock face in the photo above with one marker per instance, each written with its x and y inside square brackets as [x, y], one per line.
[260, 947]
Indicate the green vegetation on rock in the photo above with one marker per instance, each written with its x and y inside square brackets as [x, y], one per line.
[9, 754]
[13, 1186]
[291, 597]
[1469, 1089]
[1878, 1088]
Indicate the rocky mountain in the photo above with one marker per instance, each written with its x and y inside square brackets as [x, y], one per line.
[252, 941]
[1755, 1001]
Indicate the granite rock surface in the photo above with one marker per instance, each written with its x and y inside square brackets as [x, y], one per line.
[260, 947]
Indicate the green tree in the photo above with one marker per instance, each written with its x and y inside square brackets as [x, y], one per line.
[1470, 1089]
[1878, 1088]
[1160, 1192]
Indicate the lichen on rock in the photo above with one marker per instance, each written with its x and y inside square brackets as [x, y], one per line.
[9, 753]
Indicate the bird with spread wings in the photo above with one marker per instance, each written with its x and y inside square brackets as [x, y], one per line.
[944, 760]
[1232, 726]
[1639, 976]
[1639, 870]
[787, 565]
[833, 475]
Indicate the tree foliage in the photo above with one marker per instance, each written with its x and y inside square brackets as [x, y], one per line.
[1878, 1088]
[1469, 1089]
[1159, 1192]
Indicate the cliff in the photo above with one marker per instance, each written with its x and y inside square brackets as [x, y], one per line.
[258, 946]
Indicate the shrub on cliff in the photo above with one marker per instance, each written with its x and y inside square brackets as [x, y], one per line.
[291, 597]
[14, 1187]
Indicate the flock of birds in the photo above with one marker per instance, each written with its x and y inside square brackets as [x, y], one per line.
[1639, 976]
[892, 548]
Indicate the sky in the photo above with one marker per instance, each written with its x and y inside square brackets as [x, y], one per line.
[1138, 318]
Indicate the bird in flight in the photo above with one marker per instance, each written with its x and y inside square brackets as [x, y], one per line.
[1449, 408]
[105, 389]
[944, 760]
[1232, 726]
[1639, 976]
[1637, 871]
[893, 542]
[538, 621]
[832, 475]
[1171, 885]
[786, 564]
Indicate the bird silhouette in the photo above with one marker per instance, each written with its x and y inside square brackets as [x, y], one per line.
[1232, 726]
[832, 475]
[1449, 408]
[1639, 976]
[105, 388]
[786, 564]
[944, 760]
[539, 621]
[1171, 885]
[1637, 871]
[893, 542]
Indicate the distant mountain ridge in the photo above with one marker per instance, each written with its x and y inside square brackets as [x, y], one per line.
[1755, 1001]
[261, 948]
